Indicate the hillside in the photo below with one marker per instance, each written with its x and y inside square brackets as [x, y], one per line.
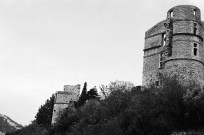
[7, 124]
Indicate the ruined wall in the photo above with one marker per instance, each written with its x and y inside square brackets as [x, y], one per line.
[71, 88]
[183, 32]
[152, 50]
[63, 99]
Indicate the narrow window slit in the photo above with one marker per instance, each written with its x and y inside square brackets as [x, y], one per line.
[194, 12]
[171, 13]
[194, 28]
[164, 39]
[195, 49]
[161, 60]
[157, 83]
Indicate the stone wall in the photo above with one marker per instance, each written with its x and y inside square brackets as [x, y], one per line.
[63, 99]
[152, 50]
[187, 32]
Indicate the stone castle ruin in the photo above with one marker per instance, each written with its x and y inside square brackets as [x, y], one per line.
[175, 46]
[63, 99]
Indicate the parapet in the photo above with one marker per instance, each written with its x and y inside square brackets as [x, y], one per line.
[70, 93]
[184, 12]
[72, 88]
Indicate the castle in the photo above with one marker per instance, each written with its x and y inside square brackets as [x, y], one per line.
[63, 99]
[175, 46]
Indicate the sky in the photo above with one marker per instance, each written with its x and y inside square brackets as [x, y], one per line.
[46, 44]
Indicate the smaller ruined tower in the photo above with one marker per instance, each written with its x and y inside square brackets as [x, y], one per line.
[174, 46]
[63, 99]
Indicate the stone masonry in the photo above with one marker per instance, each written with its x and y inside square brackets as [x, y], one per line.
[65, 98]
[175, 46]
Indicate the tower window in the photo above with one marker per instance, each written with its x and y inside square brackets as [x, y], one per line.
[171, 13]
[157, 83]
[161, 60]
[194, 28]
[194, 12]
[195, 49]
[164, 39]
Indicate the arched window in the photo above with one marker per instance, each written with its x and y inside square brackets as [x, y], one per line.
[195, 49]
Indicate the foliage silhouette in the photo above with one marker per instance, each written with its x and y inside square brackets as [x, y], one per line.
[44, 114]
[144, 111]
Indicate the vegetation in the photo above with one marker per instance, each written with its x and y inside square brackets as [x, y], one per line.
[32, 129]
[124, 111]
[44, 115]
[83, 96]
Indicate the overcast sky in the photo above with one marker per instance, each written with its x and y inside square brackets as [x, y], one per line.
[45, 44]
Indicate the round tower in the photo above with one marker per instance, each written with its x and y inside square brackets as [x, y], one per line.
[183, 51]
[175, 46]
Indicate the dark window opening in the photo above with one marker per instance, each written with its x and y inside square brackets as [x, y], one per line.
[160, 64]
[157, 83]
[195, 50]
[194, 28]
[194, 12]
[194, 31]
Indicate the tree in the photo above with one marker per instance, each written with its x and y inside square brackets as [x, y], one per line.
[104, 91]
[44, 114]
[120, 85]
[83, 96]
[194, 104]
[32, 129]
[115, 86]
[92, 94]
[65, 121]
